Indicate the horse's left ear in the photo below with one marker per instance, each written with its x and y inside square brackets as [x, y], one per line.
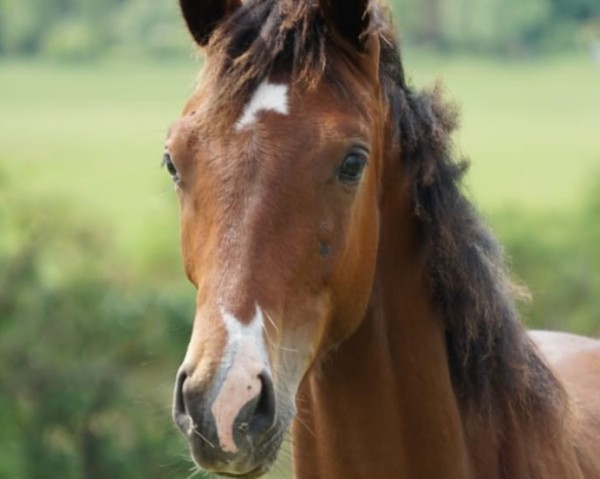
[203, 16]
[350, 18]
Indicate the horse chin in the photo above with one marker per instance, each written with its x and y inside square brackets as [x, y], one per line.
[258, 460]
[258, 472]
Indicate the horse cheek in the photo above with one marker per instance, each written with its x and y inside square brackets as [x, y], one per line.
[354, 275]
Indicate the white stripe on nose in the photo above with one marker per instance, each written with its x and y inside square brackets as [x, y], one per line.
[245, 359]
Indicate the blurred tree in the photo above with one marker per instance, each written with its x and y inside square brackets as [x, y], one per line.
[582, 10]
[76, 29]
[432, 32]
[557, 258]
[147, 26]
[496, 26]
[80, 29]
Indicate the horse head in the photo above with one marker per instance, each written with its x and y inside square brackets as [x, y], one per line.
[277, 160]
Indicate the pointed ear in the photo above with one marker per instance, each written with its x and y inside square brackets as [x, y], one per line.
[349, 18]
[203, 16]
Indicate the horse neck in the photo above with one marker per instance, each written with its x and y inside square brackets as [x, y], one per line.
[382, 403]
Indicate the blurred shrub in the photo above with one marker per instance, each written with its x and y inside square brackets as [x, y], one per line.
[81, 29]
[150, 27]
[134, 26]
[20, 25]
[504, 27]
[88, 356]
[72, 40]
[508, 26]
[558, 258]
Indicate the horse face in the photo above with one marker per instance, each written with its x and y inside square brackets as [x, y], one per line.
[279, 221]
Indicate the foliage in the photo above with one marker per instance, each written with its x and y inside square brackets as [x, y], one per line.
[78, 29]
[88, 357]
[557, 257]
[71, 39]
[151, 27]
[81, 29]
[499, 26]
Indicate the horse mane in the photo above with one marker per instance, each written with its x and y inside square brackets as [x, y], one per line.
[492, 361]
[260, 38]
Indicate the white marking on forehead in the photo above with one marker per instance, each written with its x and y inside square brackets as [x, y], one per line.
[267, 97]
[246, 358]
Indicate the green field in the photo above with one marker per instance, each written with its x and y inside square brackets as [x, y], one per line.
[93, 133]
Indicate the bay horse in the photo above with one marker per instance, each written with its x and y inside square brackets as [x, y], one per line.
[345, 285]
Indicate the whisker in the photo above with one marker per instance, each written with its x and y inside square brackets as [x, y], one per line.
[197, 433]
[289, 350]
[195, 471]
[305, 425]
[268, 316]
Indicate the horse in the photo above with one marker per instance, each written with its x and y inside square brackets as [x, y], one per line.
[346, 287]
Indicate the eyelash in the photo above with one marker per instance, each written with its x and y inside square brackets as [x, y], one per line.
[170, 166]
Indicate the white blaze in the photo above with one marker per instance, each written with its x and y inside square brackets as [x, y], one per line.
[247, 358]
[268, 97]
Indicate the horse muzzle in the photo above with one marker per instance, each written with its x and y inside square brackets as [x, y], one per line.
[231, 426]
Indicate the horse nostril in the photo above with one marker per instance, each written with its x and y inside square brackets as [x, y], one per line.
[263, 416]
[180, 414]
[179, 400]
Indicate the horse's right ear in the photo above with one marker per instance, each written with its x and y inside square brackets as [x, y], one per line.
[203, 16]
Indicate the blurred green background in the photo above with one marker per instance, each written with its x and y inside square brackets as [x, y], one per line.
[95, 313]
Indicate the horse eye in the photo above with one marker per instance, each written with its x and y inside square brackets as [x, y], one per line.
[351, 169]
[168, 164]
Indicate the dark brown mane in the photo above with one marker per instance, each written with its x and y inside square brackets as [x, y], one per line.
[260, 38]
[492, 361]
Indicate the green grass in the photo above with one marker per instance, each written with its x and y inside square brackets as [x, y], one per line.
[93, 133]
